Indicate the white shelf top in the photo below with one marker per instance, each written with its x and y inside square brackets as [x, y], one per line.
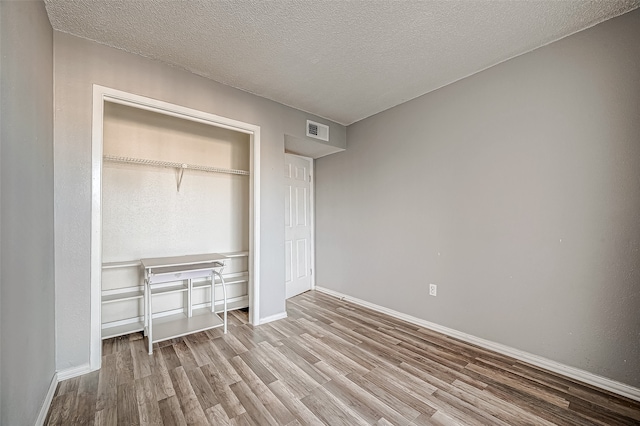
[172, 270]
[190, 259]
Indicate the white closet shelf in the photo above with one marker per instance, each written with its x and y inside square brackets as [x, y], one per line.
[169, 289]
[236, 254]
[119, 297]
[115, 265]
[132, 263]
[240, 303]
[228, 280]
[203, 284]
[121, 330]
[171, 164]
[237, 278]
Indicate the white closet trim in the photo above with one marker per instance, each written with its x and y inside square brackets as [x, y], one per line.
[103, 94]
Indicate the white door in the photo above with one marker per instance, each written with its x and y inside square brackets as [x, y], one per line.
[297, 234]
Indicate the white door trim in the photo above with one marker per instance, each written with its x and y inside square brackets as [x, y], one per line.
[103, 94]
[312, 218]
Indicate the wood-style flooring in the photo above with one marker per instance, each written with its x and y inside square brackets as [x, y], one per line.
[330, 362]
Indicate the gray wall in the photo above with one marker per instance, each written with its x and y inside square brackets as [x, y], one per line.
[517, 191]
[26, 203]
[79, 64]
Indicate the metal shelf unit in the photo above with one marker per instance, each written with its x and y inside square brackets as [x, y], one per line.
[131, 321]
[176, 274]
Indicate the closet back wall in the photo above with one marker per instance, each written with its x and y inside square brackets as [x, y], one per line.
[144, 215]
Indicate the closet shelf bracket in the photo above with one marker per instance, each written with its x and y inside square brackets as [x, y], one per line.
[180, 175]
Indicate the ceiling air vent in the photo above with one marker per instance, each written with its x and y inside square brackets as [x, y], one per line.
[317, 130]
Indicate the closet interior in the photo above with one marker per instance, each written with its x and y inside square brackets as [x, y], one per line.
[171, 187]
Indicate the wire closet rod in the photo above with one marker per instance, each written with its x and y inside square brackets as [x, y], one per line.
[182, 166]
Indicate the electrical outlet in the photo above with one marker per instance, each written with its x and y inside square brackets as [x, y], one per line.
[433, 290]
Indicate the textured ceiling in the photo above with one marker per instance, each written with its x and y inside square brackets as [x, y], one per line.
[342, 60]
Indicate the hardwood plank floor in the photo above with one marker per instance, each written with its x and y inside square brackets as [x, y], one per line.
[329, 362]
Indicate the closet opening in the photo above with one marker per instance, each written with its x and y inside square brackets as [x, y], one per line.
[167, 182]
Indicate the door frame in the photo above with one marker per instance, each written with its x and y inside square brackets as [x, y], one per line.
[312, 217]
[102, 94]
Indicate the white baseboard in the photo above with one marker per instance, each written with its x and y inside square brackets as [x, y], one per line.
[47, 400]
[275, 317]
[556, 367]
[70, 373]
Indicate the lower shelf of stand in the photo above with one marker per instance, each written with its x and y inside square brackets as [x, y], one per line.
[121, 330]
[179, 325]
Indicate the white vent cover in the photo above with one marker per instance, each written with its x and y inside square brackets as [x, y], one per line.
[317, 130]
